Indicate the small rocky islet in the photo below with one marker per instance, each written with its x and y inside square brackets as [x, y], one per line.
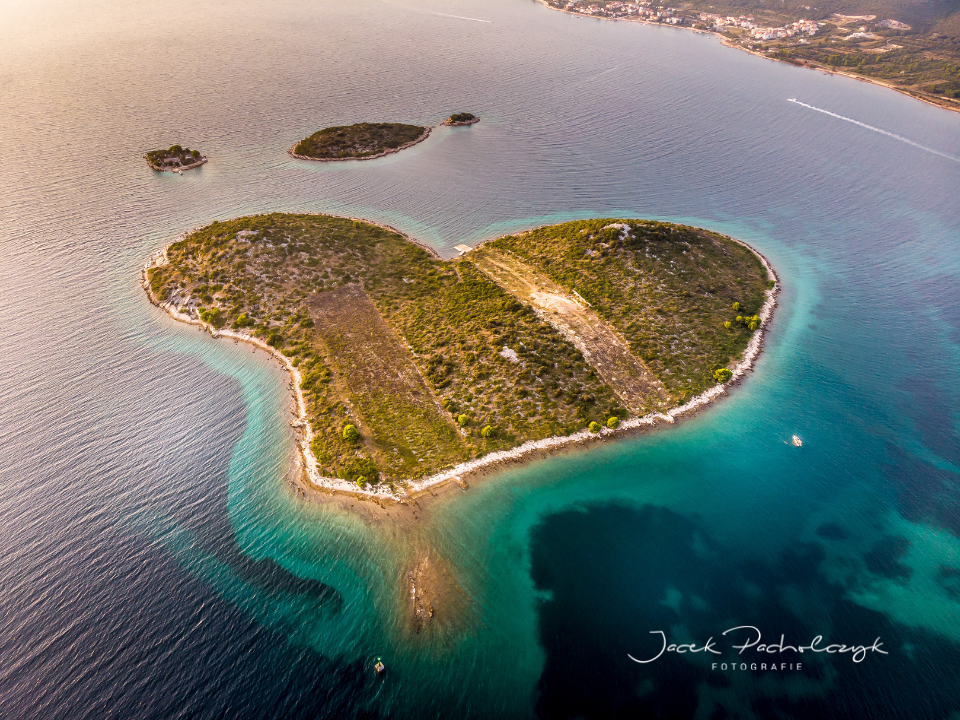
[175, 158]
[461, 119]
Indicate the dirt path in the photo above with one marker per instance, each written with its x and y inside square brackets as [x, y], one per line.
[600, 344]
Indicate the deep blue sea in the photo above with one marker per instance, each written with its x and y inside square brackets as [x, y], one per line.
[153, 562]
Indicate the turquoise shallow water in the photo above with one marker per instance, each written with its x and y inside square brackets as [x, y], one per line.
[155, 564]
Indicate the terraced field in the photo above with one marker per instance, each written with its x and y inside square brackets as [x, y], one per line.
[401, 424]
[599, 342]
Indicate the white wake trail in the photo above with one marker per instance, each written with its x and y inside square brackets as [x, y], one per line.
[431, 12]
[908, 141]
[458, 17]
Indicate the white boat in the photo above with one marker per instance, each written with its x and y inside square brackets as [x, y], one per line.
[797, 441]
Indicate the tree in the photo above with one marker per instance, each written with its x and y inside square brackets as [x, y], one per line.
[462, 420]
[486, 432]
[350, 433]
[613, 422]
[214, 317]
[242, 321]
[722, 375]
[594, 427]
[176, 149]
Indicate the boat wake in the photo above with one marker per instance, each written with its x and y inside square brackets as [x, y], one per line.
[440, 14]
[908, 141]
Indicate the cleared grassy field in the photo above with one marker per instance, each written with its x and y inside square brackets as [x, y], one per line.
[600, 344]
[402, 427]
[667, 288]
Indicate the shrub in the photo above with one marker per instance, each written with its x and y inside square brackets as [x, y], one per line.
[728, 324]
[736, 306]
[350, 433]
[242, 321]
[613, 423]
[361, 481]
[213, 317]
[274, 339]
[739, 318]
[358, 467]
[771, 284]
[486, 432]
[462, 420]
[594, 427]
[752, 326]
[722, 375]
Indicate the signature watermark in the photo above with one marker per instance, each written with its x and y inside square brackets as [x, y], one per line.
[750, 642]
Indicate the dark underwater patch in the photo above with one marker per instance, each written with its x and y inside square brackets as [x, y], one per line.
[884, 558]
[831, 531]
[925, 493]
[949, 579]
[616, 573]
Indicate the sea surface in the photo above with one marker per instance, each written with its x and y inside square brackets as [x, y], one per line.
[153, 561]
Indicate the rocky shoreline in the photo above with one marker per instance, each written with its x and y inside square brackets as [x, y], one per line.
[179, 168]
[314, 481]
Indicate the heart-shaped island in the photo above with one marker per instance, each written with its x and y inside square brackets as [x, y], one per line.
[410, 370]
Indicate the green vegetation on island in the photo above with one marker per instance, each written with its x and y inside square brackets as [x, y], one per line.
[411, 364]
[667, 289]
[360, 141]
[174, 158]
[461, 119]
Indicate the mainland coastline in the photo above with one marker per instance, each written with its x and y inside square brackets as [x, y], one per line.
[313, 481]
[727, 41]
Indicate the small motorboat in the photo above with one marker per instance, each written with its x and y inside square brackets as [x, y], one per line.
[797, 442]
[378, 667]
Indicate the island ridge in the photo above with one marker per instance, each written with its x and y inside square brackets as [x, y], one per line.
[362, 141]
